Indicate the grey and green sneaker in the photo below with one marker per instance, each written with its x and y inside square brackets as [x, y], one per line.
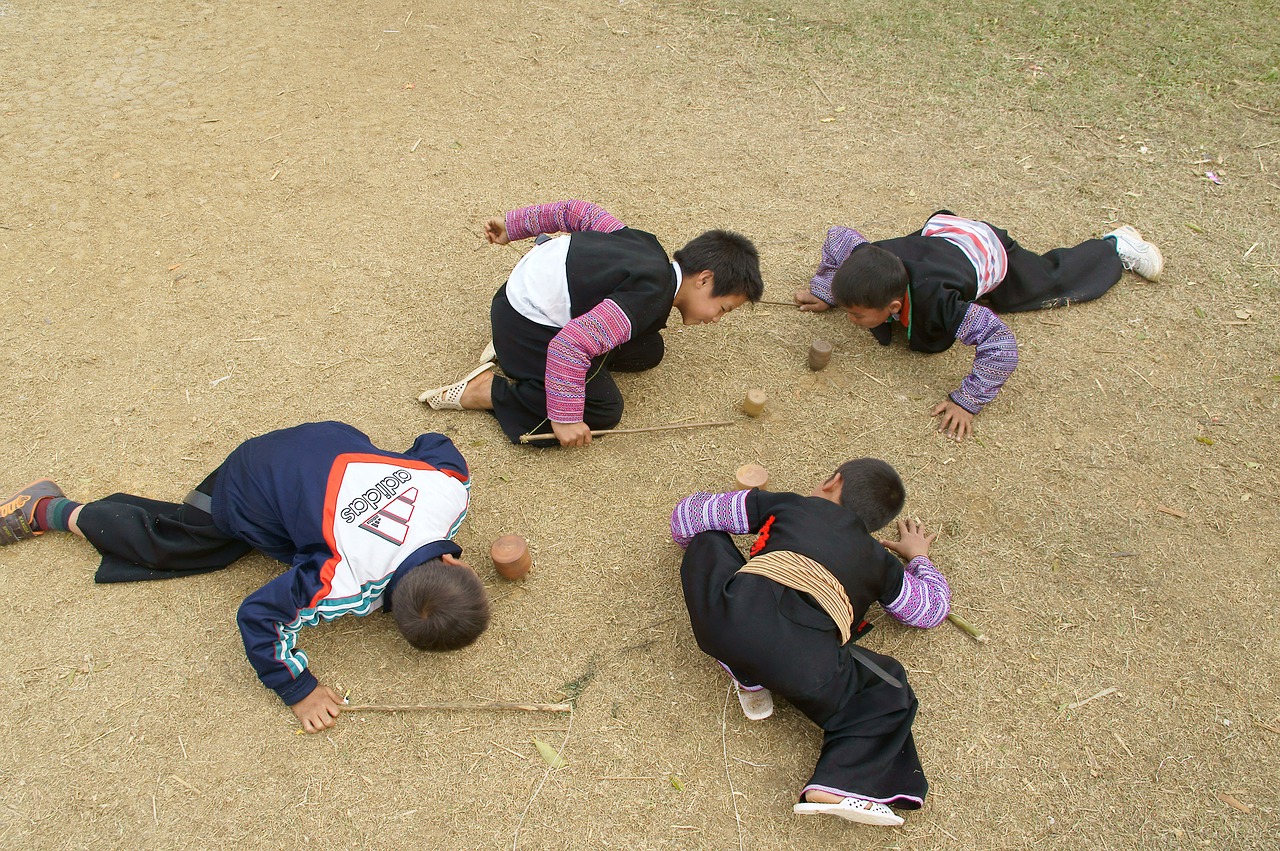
[16, 511]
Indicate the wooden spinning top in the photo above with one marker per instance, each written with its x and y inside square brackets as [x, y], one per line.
[753, 405]
[752, 476]
[819, 355]
[510, 555]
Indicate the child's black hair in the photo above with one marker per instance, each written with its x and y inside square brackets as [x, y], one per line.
[869, 277]
[731, 257]
[440, 606]
[873, 490]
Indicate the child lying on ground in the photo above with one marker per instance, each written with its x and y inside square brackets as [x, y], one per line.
[360, 527]
[929, 283]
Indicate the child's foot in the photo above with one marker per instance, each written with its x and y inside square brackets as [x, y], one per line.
[450, 397]
[16, 511]
[1136, 254]
[757, 704]
[851, 809]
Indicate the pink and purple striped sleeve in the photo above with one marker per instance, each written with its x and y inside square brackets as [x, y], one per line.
[836, 249]
[709, 512]
[558, 216]
[569, 357]
[925, 598]
[993, 362]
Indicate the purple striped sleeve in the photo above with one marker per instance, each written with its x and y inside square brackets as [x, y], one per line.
[569, 357]
[566, 216]
[925, 598]
[993, 362]
[839, 244]
[708, 512]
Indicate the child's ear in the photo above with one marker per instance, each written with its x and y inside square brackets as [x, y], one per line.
[895, 306]
[834, 484]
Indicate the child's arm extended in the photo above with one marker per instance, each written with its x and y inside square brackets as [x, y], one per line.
[925, 598]
[269, 620]
[707, 512]
[835, 250]
[993, 363]
[557, 217]
[569, 356]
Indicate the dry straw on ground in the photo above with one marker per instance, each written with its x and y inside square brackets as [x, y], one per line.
[220, 220]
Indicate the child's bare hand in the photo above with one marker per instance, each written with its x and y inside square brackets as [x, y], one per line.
[572, 434]
[956, 422]
[495, 230]
[913, 539]
[318, 710]
[810, 302]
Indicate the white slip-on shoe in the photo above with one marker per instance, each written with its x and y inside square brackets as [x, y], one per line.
[1136, 254]
[757, 704]
[852, 809]
[449, 397]
[490, 354]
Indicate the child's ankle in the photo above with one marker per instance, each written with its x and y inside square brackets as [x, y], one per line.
[53, 513]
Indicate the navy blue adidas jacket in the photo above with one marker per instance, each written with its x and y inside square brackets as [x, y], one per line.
[349, 518]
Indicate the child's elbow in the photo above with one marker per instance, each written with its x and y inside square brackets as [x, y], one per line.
[939, 612]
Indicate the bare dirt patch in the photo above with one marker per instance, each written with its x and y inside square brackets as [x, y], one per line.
[219, 220]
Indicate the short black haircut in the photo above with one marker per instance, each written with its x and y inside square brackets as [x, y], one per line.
[731, 257]
[869, 277]
[871, 489]
[440, 606]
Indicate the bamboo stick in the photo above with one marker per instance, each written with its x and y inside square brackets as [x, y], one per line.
[779, 303]
[428, 707]
[527, 438]
[967, 628]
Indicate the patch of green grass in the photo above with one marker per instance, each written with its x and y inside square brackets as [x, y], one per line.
[1091, 59]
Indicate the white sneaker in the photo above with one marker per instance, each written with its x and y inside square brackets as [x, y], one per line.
[852, 809]
[757, 704]
[1136, 254]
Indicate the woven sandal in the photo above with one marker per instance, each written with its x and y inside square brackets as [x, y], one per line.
[852, 809]
[757, 704]
[16, 511]
[449, 397]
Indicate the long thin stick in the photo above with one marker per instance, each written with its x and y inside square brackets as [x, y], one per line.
[526, 438]
[781, 303]
[427, 707]
[967, 628]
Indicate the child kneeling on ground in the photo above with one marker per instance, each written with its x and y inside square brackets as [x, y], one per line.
[577, 306]
[360, 527]
[781, 621]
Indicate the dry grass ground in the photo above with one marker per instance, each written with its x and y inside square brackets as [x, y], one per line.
[220, 219]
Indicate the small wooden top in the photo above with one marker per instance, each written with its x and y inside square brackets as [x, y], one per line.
[752, 476]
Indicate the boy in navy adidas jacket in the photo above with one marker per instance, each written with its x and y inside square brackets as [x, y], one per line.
[360, 527]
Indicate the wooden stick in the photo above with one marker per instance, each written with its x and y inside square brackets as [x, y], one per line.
[428, 707]
[780, 303]
[967, 628]
[526, 438]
